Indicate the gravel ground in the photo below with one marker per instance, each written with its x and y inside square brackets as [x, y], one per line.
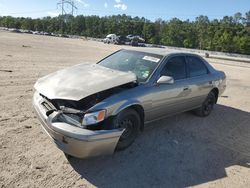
[180, 151]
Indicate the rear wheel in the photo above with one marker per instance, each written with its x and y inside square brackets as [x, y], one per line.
[207, 106]
[129, 120]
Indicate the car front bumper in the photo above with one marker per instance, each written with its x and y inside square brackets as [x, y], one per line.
[75, 141]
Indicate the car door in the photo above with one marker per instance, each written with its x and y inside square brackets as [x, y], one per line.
[169, 99]
[199, 80]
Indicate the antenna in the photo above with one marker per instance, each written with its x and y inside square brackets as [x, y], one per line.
[65, 13]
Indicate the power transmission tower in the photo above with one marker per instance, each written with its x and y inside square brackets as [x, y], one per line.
[65, 13]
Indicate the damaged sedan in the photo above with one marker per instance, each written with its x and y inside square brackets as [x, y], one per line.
[95, 109]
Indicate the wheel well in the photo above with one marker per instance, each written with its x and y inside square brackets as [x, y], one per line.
[216, 93]
[139, 109]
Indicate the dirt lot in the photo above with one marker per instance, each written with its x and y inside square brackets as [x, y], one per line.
[180, 151]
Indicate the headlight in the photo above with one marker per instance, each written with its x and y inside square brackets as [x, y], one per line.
[94, 117]
[79, 120]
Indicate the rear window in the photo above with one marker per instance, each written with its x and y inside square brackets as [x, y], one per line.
[196, 66]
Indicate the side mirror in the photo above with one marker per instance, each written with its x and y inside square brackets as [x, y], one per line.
[165, 80]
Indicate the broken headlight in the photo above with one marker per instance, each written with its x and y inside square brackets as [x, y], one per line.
[94, 117]
[82, 120]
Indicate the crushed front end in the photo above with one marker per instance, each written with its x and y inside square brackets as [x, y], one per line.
[68, 128]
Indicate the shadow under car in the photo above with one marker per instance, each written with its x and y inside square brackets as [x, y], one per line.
[180, 151]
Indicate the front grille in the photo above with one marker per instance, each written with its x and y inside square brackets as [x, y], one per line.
[48, 106]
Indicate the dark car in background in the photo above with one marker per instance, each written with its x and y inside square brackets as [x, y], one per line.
[121, 39]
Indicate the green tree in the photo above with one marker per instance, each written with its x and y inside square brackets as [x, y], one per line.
[230, 34]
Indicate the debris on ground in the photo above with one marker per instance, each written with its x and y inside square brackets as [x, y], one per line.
[24, 46]
[6, 70]
[28, 126]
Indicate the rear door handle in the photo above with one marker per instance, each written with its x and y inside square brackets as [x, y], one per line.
[185, 89]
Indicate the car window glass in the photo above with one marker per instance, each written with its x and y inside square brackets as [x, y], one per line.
[196, 66]
[176, 68]
[141, 63]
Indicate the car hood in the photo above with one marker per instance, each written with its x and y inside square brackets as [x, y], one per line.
[80, 81]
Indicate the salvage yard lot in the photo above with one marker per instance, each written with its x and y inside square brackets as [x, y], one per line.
[180, 151]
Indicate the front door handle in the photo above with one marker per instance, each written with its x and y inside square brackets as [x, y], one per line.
[185, 89]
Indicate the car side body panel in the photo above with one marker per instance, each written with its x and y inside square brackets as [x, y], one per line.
[166, 99]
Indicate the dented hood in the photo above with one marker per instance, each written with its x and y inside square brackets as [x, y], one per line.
[80, 81]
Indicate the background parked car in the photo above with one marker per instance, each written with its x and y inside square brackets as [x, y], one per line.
[121, 40]
[130, 37]
[111, 38]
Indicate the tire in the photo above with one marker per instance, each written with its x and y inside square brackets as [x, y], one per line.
[207, 106]
[131, 121]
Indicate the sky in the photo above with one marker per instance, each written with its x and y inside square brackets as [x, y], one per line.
[150, 9]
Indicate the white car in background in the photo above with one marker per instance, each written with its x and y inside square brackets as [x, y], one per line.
[111, 38]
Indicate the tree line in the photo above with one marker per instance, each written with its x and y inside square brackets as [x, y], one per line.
[229, 34]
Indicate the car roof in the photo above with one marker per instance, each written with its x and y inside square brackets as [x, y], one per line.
[109, 35]
[159, 51]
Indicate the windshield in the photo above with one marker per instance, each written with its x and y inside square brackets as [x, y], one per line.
[141, 63]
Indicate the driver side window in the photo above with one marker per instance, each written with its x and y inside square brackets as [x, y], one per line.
[176, 68]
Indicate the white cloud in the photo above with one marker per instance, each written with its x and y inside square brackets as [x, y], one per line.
[106, 5]
[121, 6]
[83, 3]
[53, 14]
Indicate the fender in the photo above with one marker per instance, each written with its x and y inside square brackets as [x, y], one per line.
[126, 104]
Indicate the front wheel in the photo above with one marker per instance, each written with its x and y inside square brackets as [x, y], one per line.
[129, 120]
[207, 106]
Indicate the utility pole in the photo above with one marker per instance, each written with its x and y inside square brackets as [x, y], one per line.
[73, 7]
[65, 13]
